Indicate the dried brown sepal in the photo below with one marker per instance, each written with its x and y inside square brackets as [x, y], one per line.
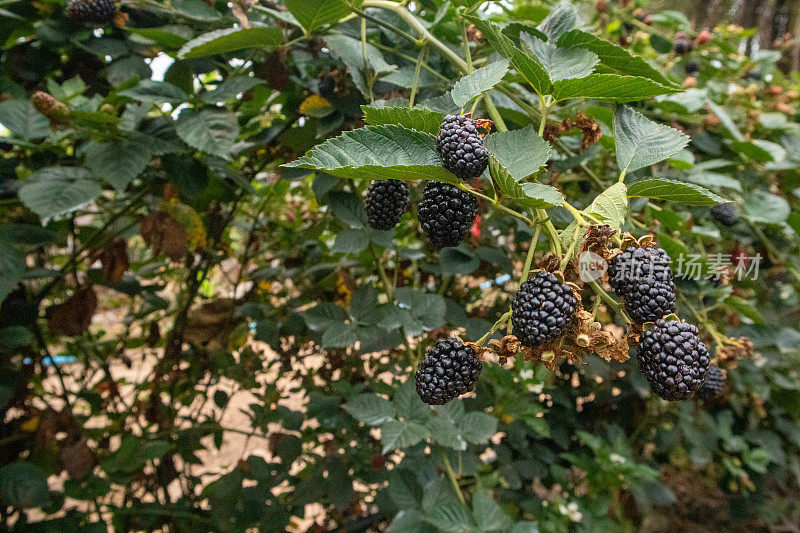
[590, 129]
[597, 240]
[485, 125]
[121, 19]
[729, 355]
[474, 35]
[165, 234]
[74, 315]
[114, 261]
[549, 262]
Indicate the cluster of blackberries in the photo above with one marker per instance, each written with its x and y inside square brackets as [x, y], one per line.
[461, 147]
[725, 214]
[448, 370]
[94, 12]
[673, 359]
[643, 278]
[542, 309]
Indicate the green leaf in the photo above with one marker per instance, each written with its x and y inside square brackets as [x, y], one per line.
[213, 131]
[529, 194]
[387, 151]
[561, 63]
[609, 87]
[350, 241]
[425, 311]
[23, 486]
[229, 40]
[479, 81]
[119, 162]
[521, 152]
[166, 35]
[230, 89]
[611, 205]
[614, 59]
[446, 433]
[450, 516]
[526, 64]
[196, 10]
[488, 514]
[761, 206]
[339, 335]
[560, 20]
[23, 120]
[370, 409]
[12, 268]
[674, 191]
[408, 403]
[324, 315]
[55, 191]
[156, 92]
[412, 118]
[397, 434]
[366, 62]
[313, 14]
[725, 119]
[642, 142]
[478, 427]
[745, 308]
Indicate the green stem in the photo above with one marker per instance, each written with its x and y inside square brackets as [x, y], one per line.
[415, 84]
[552, 233]
[494, 113]
[452, 475]
[496, 204]
[526, 269]
[613, 304]
[547, 101]
[497, 325]
[412, 21]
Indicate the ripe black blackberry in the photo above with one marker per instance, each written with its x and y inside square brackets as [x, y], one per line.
[692, 67]
[446, 213]
[386, 202]
[461, 148]
[542, 309]
[448, 370]
[643, 278]
[713, 385]
[96, 12]
[725, 214]
[673, 359]
[683, 46]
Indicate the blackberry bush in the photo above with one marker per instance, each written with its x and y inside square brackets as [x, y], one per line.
[673, 359]
[461, 147]
[448, 370]
[386, 202]
[446, 213]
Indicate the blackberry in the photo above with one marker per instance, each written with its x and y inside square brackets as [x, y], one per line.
[725, 214]
[386, 202]
[446, 213]
[643, 278]
[692, 68]
[461, 148]
[673, 359]
[448, 370]
[542, 309]
[713, 385]
[683, 46]
[95, 12]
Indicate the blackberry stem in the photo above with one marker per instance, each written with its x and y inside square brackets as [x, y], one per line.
[497, 325]
[526, 269]
[611, 302]
[452, 475]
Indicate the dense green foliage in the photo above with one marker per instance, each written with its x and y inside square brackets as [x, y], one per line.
[177, 250]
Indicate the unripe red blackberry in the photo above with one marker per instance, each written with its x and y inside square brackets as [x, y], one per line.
[713, 385]
[448, 370]
[386, 202]
[673, 359]
[725, 214]
[94, 12]
[446, 213]
[643, 278]
[461, 147]
[542, 309]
